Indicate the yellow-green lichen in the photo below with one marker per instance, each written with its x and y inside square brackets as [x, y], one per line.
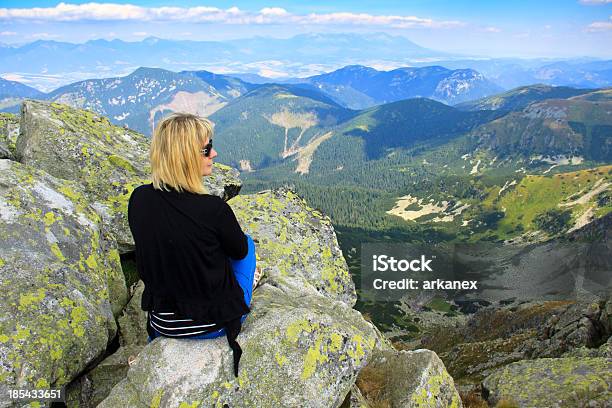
[194, 404]
[295, 328]
[313, 357]
[336, 342]
[28, 299]
[49, 218]
[57, 252]
[280, 359]
[156, 401]
[121, 162]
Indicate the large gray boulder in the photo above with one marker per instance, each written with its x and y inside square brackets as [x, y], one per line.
[297, 245]
[107, 160]
[60, 280]
[552, 383]
[407, 379]
[300, 350]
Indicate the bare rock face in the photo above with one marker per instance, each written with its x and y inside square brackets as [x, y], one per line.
[299, 250]
[552, 382]
[107, 160]
[9, 130]
[406, 379]
[60, 280]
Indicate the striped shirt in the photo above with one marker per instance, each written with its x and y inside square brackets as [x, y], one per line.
[171, 324]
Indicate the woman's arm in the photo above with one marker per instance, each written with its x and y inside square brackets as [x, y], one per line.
[233, 240]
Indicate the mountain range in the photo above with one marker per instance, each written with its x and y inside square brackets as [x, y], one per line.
[359, 87]
[139, 99]
[47, 65]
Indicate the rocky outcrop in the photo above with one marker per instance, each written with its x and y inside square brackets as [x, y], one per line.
[298, 246]
[60, 280]
[314, 347]
[133, 321]
[579, 325]
[62, 227]
[498, 335]
[301, 332]
[552, 382]
[9, 130]
[298, 327]
[406, 379]
[72, 144]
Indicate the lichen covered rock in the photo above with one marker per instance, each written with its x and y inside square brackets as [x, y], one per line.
[552, 382]
[60, 280]
[73, 144]
[297, 246]
[107, 160]
[299, 350]
[407, 379]
[224, 181]
[133, 320]
[9, 130]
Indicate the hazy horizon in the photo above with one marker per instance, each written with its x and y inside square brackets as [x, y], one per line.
[521, 29]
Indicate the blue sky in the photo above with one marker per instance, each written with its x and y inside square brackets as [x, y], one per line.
[563, 28]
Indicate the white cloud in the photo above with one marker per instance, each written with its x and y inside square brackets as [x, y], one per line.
[595, 2]
[492, 30]
[369, 19]
[598, 26]
[273, 11]
[43, 35]
[8, 33]
[140, 34]
[233, 15]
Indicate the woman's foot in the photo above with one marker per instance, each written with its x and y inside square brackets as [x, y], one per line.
[257, 277]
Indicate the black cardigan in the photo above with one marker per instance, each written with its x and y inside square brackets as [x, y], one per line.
[183, 245]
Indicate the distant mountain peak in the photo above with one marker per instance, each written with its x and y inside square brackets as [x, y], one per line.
[151, 40]
[143, 71]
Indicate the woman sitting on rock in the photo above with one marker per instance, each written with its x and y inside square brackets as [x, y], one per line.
[197, 265]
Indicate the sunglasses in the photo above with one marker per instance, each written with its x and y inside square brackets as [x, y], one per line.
[207, 149]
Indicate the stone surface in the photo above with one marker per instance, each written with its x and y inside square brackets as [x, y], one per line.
[552, 382]
[60, 280]
[133, 321]
[297, 246]
[300, 349]
[408, 379]
[579, 325]
[498, 335]
[224, 182]
[91, 388]
[9, 130]
[107, 160]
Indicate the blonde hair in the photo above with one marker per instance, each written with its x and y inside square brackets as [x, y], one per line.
[175, 152]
